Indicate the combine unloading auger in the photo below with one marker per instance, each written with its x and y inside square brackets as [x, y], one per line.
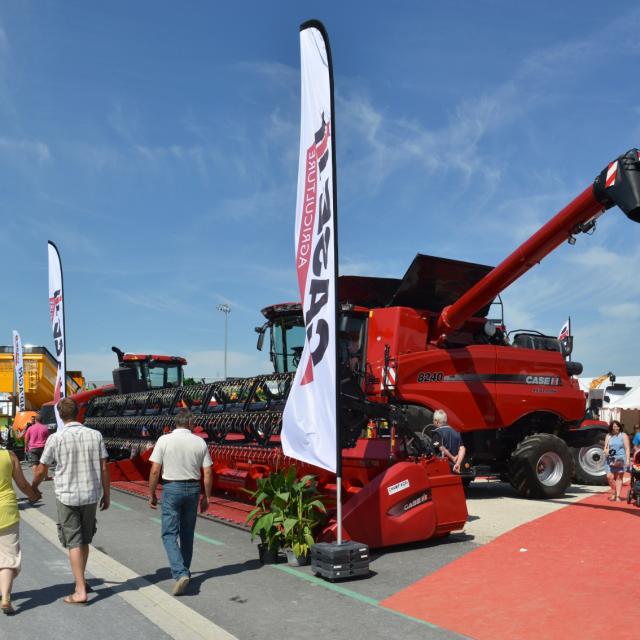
[618, 184]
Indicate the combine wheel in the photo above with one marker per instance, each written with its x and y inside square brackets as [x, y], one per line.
[589, 464]
[541, 466]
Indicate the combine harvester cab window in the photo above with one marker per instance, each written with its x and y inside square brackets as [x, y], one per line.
[162, 376]
[287, 343]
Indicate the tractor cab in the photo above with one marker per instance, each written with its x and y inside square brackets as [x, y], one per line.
[287, 333]
[145, 372]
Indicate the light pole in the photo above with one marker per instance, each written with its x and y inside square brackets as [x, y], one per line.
[226, 309]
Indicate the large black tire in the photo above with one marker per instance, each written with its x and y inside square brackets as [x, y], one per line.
[588, 464]
[541, 466]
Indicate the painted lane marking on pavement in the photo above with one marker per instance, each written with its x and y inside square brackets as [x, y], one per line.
[351, 594]
[171, 616]
[59, 567]
[199, 536]
[120, 506]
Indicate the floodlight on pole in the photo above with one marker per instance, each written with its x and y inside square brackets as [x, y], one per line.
[226, 309]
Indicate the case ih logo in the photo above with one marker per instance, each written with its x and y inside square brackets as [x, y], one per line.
[314, 242]
[548, 381]
[54, 308]
[411, 503]
[53, 304]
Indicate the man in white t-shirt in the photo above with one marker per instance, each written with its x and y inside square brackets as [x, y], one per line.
[180, 455]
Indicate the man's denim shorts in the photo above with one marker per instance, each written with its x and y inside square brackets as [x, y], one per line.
[34, 455]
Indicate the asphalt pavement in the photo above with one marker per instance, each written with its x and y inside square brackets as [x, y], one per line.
[231, 594]
[229, 589]
[42, 584]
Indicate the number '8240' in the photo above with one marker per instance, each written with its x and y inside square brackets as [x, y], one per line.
[430, 376]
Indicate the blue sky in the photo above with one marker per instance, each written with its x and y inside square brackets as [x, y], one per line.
[156, 143]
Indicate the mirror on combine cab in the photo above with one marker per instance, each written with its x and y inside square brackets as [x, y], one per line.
[261, 331]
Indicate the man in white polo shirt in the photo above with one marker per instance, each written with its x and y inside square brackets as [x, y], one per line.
[179, 456]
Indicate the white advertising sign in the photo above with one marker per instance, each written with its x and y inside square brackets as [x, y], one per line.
[309, 420]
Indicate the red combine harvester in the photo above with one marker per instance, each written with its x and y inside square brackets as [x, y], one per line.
[407, 347]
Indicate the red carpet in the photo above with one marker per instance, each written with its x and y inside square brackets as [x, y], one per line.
[231, 512]
[578, 578]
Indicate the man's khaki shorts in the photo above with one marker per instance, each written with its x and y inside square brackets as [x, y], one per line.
[76, 525]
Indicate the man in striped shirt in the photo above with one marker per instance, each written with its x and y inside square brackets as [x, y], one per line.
[81, 481]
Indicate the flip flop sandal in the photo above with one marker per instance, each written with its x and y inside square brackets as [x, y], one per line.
[70, 600]
[7, 609]
[611, 498]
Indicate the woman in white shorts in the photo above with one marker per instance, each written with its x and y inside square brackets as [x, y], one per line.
[10, 555]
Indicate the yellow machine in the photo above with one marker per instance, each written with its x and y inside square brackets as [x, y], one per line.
[596, 382]
[39, 375]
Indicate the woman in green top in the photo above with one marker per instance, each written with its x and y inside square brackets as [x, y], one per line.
[10, 556]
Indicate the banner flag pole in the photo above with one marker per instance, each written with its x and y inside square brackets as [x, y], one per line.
[18, 370]
[310, 421]
[56, 313]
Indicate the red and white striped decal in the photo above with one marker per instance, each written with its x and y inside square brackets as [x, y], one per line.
[612, 172]
[389, 381]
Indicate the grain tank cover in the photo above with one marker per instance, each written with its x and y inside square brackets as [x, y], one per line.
[434, 283]
[367, 291]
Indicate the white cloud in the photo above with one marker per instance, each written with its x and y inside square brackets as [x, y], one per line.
[148, 301]
[621, 312]
[274, 73]
[201, 364]
[394, 142]
[269, 202]
[96, 155]
[28, 149]
[196, 155]
[210, 364]
[95, 365]
[4, 40]
[597, 257]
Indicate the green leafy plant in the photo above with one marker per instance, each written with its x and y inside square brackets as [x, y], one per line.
[287, 511]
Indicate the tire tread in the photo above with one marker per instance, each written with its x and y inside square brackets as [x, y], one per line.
[522, 474]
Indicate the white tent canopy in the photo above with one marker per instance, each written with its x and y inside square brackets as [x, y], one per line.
[623, 404]
[630, 400]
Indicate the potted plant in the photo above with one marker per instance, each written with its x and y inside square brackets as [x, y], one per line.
[286, 512]
[265, 518]
[303, 512]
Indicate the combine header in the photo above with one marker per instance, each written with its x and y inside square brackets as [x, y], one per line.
[407, 347]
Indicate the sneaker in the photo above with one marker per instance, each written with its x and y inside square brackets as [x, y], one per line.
[180, 586]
